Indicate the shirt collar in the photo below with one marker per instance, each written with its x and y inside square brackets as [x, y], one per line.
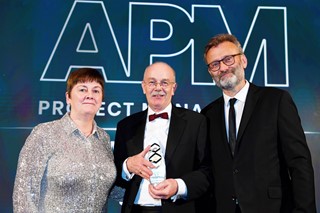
[71, 127]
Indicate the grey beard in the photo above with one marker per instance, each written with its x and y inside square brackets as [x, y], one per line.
[229, 84]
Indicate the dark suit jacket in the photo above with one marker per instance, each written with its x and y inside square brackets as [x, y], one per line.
[184, 157]
[271, 170]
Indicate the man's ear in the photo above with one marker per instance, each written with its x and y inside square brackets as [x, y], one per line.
[174, 88]
[244, 61]
[143, 87]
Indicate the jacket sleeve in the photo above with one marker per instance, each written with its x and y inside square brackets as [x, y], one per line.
[297, 155]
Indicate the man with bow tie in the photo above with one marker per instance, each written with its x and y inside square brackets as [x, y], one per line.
[160, 153]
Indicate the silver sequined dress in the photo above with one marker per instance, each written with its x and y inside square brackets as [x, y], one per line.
[61, 170]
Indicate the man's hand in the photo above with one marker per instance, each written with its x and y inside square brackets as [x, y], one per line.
[164, 189]
[138, 165]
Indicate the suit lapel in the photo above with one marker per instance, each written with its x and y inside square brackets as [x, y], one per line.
[135, 145]
[250, 104]
[176, 129]
[220, 115]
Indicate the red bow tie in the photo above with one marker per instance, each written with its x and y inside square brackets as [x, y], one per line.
[163, 115]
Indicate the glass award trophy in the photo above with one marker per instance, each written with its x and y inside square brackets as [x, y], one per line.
[155, 156]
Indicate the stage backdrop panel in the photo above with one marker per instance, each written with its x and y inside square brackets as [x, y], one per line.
[42, 41]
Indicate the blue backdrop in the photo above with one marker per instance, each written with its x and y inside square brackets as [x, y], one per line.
[41, 41]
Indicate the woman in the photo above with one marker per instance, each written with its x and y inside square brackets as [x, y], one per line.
[67, 165]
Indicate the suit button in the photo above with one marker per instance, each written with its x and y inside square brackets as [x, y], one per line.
[235, 171]
[235, 199]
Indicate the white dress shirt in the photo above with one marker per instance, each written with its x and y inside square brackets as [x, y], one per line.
[155, 131]
[238, 106]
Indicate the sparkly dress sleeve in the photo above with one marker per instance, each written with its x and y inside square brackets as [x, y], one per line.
[30, 170]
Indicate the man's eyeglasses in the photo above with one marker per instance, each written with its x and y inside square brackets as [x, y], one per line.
[228, 60]
[153, 84]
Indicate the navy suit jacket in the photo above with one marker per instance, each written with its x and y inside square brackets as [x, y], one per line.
[271, 170]
[185, 156]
